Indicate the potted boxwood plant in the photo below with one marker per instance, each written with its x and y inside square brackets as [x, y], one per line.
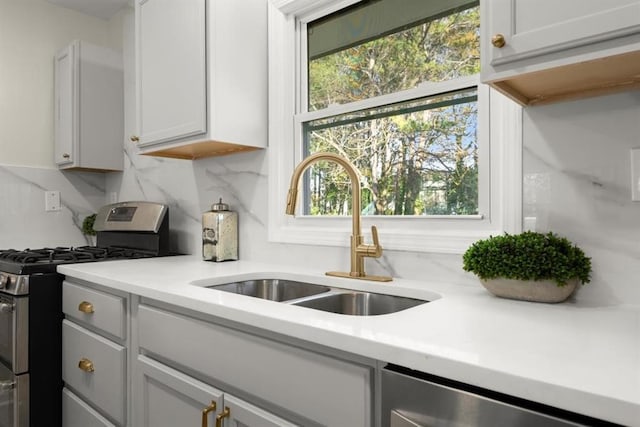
[528, 266]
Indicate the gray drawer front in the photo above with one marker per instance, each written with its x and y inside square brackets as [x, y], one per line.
[77, 413]
[105, 386]
[109, 311]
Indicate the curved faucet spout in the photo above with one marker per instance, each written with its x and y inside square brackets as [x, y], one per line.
[292, 196]
[358, 250]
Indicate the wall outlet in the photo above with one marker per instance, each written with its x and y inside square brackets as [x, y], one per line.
[51, 201]
[635, 174]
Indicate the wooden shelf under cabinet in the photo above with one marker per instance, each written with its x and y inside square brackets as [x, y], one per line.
[198, 150]
[575, 81]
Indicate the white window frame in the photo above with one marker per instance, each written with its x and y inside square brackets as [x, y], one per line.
[443, 234]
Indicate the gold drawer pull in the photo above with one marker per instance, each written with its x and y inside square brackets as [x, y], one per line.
[134, 138]
[206, 411]
[86, 307]
[86, 365]
[222, 415]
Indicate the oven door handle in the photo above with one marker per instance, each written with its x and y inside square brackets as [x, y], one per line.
[6, 307]
[7, 385]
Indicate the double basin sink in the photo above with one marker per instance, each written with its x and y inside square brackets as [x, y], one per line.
[320, 297]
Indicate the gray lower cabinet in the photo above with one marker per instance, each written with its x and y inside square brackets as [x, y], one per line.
[301, 385]
[169, 398]
[133, 362]
[94, 356]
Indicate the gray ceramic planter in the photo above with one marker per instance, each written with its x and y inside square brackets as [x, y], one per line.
[537, 291]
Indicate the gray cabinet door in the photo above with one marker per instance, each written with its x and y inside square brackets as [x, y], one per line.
[167, 398]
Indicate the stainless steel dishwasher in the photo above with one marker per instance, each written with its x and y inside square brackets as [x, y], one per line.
[416, 399]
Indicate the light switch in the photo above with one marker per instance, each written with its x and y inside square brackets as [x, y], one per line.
[635, 174]
[51, 201]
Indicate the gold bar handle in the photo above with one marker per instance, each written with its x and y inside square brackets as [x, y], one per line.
[222, 415]
[86, 307]
[205, 413]
[86, 365]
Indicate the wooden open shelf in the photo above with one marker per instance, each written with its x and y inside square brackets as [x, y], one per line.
[198, 150]
[585, 79]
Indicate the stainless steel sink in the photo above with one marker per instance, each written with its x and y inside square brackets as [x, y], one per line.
[359, 303]
[272, 289]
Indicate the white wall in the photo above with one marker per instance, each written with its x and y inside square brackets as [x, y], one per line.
[31, 32]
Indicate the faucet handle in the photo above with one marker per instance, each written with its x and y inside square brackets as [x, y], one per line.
[375, 250]
[374, 236]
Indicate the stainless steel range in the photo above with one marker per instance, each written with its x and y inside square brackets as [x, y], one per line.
[31, 307]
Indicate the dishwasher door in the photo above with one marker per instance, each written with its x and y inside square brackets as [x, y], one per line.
[411, 401]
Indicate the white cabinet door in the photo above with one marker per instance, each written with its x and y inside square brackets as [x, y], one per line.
[89, 108]
[531, 28]
[171, 69]
[201, 85]
[66, 97]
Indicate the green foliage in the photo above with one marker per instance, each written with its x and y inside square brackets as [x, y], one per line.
[87, 225]
[527, 256]
[411, 163]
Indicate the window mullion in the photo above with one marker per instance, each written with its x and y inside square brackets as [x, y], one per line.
[421, 91]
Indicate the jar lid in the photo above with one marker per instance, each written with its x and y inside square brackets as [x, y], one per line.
[220, 206]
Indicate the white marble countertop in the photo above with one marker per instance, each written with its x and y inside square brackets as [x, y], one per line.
[584, 359]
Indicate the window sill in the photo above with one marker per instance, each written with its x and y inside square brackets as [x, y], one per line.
[338, 233]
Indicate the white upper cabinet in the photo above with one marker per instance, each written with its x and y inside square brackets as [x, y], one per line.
[545, 51]
[89, 114]
[201, 77]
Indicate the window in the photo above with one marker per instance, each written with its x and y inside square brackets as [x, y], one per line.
[416, 151]
[393, 86]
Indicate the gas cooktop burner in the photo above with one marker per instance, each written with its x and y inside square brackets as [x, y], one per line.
[39, 260]
[77, 254]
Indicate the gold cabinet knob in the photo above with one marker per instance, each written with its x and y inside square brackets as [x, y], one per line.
[86, 365]
[66, 156]
[498, 40]
[205, 413]
[134, 138]
[86, 307]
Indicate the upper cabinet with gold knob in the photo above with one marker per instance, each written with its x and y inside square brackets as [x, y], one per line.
[201, 77]
[547, 51]
[89, 108]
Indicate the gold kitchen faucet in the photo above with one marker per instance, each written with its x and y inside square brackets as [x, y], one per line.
[359, 250]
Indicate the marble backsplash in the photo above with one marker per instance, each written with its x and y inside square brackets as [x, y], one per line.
[24, 222]
[577, 182]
